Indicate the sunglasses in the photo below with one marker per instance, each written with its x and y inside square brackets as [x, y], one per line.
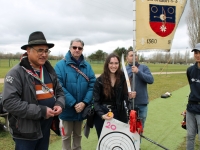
[75, 47]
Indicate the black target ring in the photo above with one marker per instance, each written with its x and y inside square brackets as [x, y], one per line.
[115, 141]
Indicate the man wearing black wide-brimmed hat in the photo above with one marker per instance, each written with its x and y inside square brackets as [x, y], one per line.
[193, 106]
[32, 96]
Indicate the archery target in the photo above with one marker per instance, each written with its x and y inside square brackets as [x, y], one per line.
[116, 141]
[116, 135]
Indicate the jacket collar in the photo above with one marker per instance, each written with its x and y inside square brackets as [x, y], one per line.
[69, 60]
[136, 64]
[25, 63]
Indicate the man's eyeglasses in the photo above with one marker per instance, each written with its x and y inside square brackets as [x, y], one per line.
[41, 51]
[75, 47]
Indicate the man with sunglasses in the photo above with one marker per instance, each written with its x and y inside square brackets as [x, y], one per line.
[32, 96]
[77, 79]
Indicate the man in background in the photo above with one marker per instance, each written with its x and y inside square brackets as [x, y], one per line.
[143, 77]
[193, 106]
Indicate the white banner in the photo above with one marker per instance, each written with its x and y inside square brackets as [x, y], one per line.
[116, 135]
[156, 23]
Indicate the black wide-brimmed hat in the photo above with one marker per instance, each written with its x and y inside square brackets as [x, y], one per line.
[37, 38]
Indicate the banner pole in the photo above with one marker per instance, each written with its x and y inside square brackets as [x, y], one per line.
[134, 45]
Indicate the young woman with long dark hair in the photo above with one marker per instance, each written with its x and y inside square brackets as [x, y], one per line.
[110, 92]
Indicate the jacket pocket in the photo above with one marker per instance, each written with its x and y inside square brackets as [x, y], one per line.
[24, 128]
[28, 128]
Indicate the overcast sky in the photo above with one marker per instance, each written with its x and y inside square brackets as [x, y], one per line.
[101, 24]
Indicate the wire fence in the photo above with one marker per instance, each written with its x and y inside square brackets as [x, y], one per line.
[5, 63]
[8, 62]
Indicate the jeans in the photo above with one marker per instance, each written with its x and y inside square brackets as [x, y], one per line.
[192, 124]
[142, 112]
[40, 144]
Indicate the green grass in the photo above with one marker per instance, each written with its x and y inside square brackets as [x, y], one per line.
[1, 87]
[87, 144]
[162, 83]
[6, 140]
[166, 83]
[167, 67]
[162, 125]
[6, 65]
[4, 71]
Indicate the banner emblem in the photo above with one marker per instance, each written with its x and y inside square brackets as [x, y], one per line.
[162, 19]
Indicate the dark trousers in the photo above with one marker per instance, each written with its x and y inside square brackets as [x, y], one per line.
[40, 144]
[98, 121]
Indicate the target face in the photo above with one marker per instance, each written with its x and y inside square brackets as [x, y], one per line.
[116, 135]
[116, 141]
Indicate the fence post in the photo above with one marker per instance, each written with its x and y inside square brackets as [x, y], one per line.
[9, 62]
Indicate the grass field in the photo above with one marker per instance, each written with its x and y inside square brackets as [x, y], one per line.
[1, 87]
[162, 84]
[6, 65]
[162, 125]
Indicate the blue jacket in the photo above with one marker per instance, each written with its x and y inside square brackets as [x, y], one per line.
[76, 88]
[142, 78]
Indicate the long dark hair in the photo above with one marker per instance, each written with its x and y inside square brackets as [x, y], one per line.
[106, 75]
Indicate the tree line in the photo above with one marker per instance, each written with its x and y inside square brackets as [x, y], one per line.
[156, 57]
[18, 56]
[100, 56]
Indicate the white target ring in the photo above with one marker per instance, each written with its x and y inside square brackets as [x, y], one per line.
[116, 141]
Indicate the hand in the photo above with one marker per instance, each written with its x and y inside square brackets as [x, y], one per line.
[49, 113]
[132, 94]
[107, 116]
[134, 69]
[57, 110]
[79, 107]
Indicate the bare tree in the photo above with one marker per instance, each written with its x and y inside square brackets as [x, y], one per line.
[193, 22]
[187, 56]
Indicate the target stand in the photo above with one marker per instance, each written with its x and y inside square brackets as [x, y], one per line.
[116, 135]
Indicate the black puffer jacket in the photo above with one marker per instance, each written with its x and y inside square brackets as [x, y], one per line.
[120, 94]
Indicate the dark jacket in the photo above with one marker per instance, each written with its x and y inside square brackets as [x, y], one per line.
[193, 75]
[19, 99]
[142, 78]
[121, 96]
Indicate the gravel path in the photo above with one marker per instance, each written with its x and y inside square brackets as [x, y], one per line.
[1, 80]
